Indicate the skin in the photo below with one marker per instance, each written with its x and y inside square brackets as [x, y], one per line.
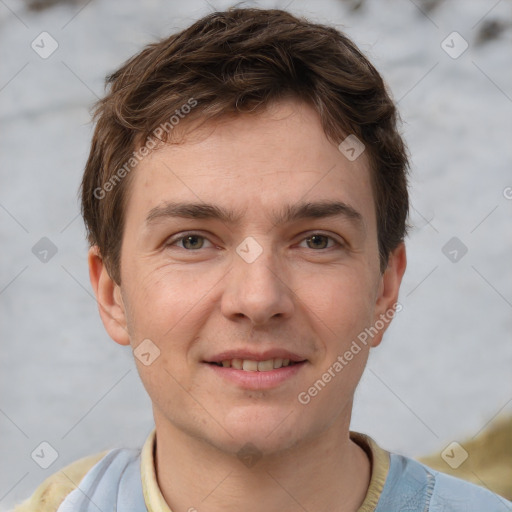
[198, 299]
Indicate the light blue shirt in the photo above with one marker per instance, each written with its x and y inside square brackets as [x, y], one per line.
[114, 484]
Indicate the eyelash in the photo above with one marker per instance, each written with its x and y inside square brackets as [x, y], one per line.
[172, 241]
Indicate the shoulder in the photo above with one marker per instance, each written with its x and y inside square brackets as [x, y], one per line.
[452, 493]
[52, 492]
[488, 458]
[411, 483]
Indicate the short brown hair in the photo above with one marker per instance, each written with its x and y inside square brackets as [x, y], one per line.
[240, 61]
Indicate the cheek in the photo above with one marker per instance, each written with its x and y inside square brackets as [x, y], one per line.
[340, 302]
[162, 299]
[162, 306]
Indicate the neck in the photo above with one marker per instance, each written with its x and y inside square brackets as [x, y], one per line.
[329, 473]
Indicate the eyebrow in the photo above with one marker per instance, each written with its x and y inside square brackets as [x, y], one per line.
[289, 214]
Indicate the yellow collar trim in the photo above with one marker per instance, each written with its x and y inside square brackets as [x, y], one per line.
[379, 459]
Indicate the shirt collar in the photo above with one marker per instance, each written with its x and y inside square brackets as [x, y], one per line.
[379, 460]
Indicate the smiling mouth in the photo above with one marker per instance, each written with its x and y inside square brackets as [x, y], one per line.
[250, 365]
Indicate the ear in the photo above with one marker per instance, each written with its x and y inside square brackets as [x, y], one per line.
[108, 297]
[386, 304]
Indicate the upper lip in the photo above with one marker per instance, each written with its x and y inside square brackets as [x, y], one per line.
[254, 356]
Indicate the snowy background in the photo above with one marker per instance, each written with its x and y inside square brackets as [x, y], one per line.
[443, 370]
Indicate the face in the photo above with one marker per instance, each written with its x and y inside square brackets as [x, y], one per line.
[251, 244]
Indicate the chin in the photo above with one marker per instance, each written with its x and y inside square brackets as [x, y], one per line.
[270, 431]
[254, 443]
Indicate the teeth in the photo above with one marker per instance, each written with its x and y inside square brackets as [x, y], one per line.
[235, 363]
[250, 366]
[265, 366]
[255, 366]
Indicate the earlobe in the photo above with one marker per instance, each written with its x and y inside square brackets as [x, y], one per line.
[389, 287]
[108, 297]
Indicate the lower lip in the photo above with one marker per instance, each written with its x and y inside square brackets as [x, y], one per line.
[257, 380]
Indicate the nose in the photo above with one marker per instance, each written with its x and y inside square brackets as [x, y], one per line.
[257, 290]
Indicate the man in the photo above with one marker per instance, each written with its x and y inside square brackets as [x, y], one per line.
[246, 204]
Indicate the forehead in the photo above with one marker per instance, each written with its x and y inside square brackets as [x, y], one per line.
[253, 165]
